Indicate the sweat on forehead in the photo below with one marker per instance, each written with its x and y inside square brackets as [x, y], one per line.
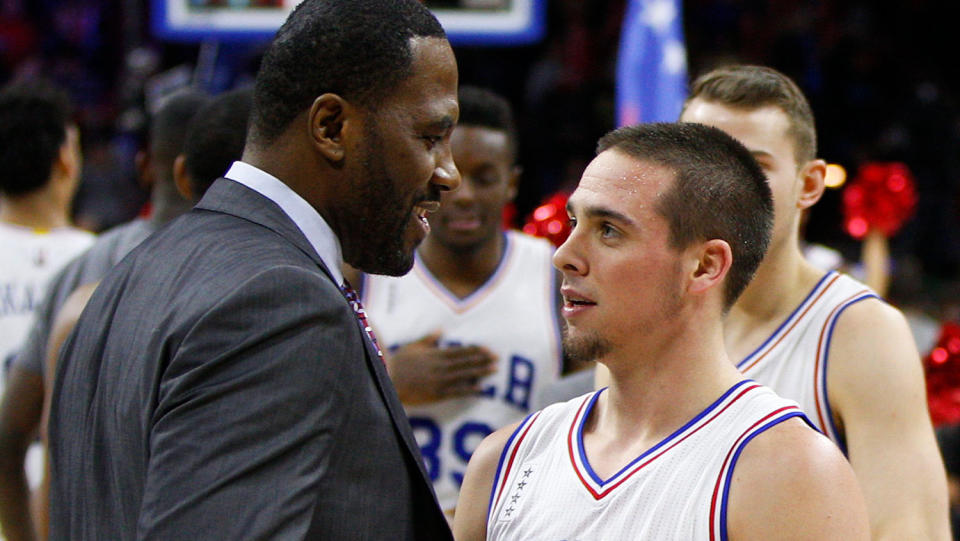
[718, 190]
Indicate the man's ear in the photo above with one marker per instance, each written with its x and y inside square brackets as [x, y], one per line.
[145, 172]
[713, 260]
[812, 177]
[330, 118]
[513, 182]
[181, 178]
[68, 157]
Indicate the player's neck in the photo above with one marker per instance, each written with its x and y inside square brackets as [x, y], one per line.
[167, 203]
[782, 280]
[463, 272]
[649, 398]
[38, 210]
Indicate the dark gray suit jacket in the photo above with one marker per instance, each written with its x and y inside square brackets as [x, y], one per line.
[218, 386]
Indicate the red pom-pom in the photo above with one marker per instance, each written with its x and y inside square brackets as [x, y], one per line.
[883, 196]
[549, 220]
[942, 367]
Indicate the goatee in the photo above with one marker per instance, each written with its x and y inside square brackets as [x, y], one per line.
[585, 348]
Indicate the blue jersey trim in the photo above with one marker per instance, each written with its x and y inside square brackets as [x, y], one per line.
[503, 455]
[648, 452]
[733, 463]
[841, 441]
[789, 318]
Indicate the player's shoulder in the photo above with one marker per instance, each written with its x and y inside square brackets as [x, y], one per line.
[488, 453]
[866, 322]
[798, 477]
[857, 310]
[784, 449]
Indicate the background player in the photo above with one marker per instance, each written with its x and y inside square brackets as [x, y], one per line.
[669, 223]
[822, 338]
[473, 329]
[40, 162]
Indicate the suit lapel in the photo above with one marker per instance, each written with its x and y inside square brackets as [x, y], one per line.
[233, 198]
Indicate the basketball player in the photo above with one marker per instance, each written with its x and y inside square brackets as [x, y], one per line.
[40, 163]
[669, 223]
[822, 338]
[473, 329]
[40, 159]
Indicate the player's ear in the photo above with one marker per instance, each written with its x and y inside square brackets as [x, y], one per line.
[68, 157]
[330, 119]
[181, 178]
[145, 171]
[712, 262]
[513, 182]
[812, 176]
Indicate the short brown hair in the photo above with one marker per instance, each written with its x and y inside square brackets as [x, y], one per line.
[752, 87]
[719, 191]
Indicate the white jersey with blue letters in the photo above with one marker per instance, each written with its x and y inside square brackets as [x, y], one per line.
[677, 490]
[514, 315]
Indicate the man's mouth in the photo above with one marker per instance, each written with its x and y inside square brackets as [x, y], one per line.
[463, 222]
[423, 208]
[572, 298]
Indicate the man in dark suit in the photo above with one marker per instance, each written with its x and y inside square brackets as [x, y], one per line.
[220, 384]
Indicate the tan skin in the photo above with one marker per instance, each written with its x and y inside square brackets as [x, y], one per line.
[662, 375]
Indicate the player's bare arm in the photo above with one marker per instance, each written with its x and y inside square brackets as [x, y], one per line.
[470, 520]
[18, 427]
[875, 382]
[791, 483]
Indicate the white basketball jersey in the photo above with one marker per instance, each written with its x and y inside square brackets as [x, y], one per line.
[30, 258]
[514, 315]
[677, 490]
[793, 360]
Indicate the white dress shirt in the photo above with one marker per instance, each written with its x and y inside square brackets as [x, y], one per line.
[307, 219]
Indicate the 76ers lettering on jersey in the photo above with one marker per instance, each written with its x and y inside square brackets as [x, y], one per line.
[793, 360]
[513, 314]
[544, 487]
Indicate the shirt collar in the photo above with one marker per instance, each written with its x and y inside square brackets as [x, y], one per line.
[306, 218]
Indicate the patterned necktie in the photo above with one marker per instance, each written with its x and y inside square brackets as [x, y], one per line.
[361, 314]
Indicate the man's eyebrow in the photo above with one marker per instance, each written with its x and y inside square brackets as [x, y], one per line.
[603, 212]
[758, 154]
